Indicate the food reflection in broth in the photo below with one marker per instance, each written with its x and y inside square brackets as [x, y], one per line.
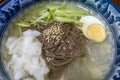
[57, 41]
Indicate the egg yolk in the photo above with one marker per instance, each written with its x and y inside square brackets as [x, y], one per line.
[96, 32]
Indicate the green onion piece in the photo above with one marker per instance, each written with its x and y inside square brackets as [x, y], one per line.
[39, 19]
[20, 30]
[65, 20]
[23, 24]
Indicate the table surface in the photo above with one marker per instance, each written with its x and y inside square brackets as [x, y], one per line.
[116, 2]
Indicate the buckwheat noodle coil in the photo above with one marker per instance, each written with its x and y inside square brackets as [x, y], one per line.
[69, 43]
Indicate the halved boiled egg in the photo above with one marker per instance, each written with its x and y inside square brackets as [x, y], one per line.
[93, 28]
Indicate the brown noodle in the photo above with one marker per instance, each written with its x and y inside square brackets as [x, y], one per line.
[70, 41]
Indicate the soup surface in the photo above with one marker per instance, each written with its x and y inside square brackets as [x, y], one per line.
[57, 41]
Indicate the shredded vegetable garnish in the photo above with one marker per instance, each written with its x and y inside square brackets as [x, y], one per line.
[55, 13]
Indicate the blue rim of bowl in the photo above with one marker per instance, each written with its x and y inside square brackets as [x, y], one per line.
[118, 9]
[20, 11]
